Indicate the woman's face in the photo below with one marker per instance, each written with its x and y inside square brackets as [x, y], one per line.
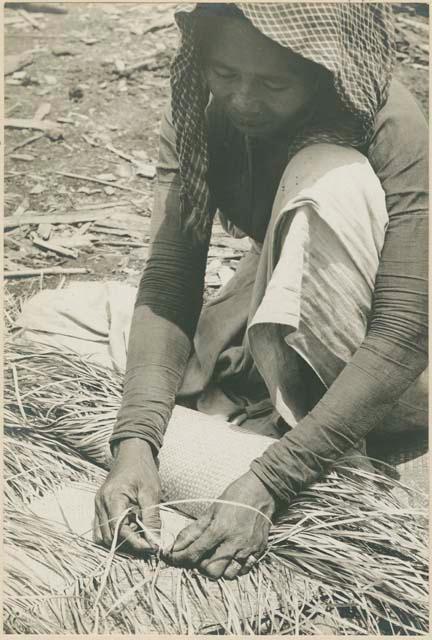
[261, 85]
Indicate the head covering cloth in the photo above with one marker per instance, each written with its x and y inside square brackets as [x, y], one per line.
[353, 41]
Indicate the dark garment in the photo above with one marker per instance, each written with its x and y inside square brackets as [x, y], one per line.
[243, 178]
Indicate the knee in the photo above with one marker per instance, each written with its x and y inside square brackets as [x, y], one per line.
[334, 174]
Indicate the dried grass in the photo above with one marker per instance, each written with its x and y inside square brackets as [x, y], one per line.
[346, 557]
[11, 310]
[71, 595]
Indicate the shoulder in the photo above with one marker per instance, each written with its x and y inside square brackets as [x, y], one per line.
[398, 150]
[401, 102]
[399, 122]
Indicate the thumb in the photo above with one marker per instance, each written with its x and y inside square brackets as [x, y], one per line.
[150, 520]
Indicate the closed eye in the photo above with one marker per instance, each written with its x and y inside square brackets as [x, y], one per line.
[275, 85]
[222, 72]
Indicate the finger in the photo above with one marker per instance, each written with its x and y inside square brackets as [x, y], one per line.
[97, 533]
[103, 523]
[131, 534]
[202, 546]
[233, 569]
[248, 565]
[134, 540]
[149, 521]
[189, 534]
[214, 566]
[150, 514]
[116, 511]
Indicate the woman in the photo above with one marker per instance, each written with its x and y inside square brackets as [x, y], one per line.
[284, 118]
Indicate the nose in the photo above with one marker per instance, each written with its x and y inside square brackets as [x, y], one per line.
[244, 99]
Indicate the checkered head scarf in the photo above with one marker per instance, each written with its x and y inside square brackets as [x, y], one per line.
[353, 41]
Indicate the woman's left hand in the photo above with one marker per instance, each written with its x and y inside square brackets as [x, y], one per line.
[227, 540]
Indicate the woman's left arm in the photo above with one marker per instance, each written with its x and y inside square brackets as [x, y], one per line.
[392, 356]
[394, 352]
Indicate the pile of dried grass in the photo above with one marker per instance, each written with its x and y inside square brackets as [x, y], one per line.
[346, 555]
[55, 578]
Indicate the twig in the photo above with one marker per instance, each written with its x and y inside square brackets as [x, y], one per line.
[17, 392]
[14, 63]
[29, 123]
[35, 35]
[112, 229]
[164, 23]
[144, 169]
[111, 232]
[56, 248]
[51, 128]
[49, 271]
[138, 66]
[29, 19]
[21, 208]
[8, 240]
[83, 229]
[42, 111]
[65, 120]
[10, 222]
[121, 243]
[103, 205]
[13, 107]
[24, 143]
[122, 155]
[21, 157]
[98, 181]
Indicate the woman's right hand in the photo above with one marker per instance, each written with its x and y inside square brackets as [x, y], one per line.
[133, 482]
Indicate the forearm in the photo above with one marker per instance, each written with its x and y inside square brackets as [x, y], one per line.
[355, 404]
[157, 356]
[168, 305]
[392, 356]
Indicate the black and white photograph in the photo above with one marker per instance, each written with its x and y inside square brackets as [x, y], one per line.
[215, 294]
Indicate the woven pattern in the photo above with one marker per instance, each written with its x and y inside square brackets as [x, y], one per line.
[354, 41]
[202, 455]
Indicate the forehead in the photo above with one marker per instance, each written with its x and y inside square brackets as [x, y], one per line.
[236, 43]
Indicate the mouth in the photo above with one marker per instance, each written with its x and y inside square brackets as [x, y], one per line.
[247, 125]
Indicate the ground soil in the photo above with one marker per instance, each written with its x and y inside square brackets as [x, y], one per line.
[78, 61]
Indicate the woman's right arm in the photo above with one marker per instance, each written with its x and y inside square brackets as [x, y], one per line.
[166, 313]
[167, 308]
